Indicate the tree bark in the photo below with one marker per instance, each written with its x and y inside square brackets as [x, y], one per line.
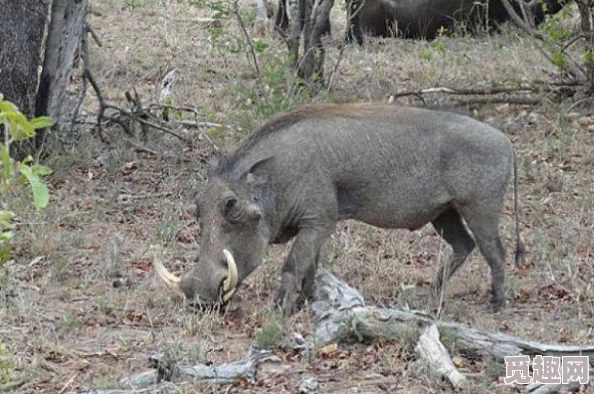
[64, 35]
[310, 19]
[312, 65]
[586, 22]
[22, 26]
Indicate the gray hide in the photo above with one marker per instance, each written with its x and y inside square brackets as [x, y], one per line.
[388, 166]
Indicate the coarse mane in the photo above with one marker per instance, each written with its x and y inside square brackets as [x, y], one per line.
[285, 120]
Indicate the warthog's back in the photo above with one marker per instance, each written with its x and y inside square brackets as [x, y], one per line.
[386, 165]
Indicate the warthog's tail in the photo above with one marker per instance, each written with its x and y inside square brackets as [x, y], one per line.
[519, 255]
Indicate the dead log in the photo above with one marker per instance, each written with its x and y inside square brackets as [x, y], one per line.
[257, 364]
[340, 313]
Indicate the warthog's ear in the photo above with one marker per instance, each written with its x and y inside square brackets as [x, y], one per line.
[256, 175]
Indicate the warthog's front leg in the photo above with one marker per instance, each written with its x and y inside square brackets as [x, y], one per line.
[299, 271]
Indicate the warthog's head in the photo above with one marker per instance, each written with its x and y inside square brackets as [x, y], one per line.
[232, 245]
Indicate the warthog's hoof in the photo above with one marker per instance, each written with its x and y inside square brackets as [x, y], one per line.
[497, 305]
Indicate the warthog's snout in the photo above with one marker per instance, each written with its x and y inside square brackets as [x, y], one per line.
[189, 285]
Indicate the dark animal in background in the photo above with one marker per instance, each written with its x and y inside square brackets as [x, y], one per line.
[425, 18]
[387, 166]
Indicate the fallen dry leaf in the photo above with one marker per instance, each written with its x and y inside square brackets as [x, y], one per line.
[329, 349]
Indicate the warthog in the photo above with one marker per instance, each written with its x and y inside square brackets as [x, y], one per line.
[424, 18]
[388, 166]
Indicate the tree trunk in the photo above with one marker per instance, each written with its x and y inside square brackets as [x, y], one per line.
[312, 66]
[65, 31]
[22, 25]
[586, 21]
[310, 19]
[22, 28]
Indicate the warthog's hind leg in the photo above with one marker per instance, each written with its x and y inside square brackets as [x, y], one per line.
[449, 225]
[484, 224]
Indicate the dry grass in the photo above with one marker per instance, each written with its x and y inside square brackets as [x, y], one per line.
[62, 317]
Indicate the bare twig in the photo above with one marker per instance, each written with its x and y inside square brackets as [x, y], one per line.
[187, 123]
[468, 91]
[335, 69]
[572, 41]
[251, 51]
[517, 100]
[183, 108]
[89, 29]
[487, 95]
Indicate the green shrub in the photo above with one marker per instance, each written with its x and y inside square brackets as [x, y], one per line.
[14, 173]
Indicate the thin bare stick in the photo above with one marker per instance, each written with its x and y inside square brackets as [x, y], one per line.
[89, 29]
[335, 69]
[468, 91]
[500, 100]
[251, 51]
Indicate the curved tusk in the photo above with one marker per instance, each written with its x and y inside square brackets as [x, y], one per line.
[172, 281]
[232, 277]
[228, 296]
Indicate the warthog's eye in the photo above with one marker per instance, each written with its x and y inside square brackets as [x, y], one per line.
[230, 204]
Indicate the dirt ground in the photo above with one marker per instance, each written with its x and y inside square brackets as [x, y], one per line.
[82, 308]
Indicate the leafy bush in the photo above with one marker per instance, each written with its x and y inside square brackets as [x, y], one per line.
[14, 173]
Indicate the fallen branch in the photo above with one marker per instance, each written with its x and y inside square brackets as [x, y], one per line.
[437, 357]
[493, 95]
[257, 364]
[340, 313]
[469, 91]
[515, 100]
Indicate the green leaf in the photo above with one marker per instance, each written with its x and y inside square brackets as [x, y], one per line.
[5, 236]
[40, 190]
[5, 253]
[7, 167]
[42, 122]
[20, 127]
[41, 170]
[260, 46]
[7, 106]
[5, 218]
[558, 59]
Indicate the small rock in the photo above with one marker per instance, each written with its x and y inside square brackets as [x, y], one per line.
[308, 384]
[294, 341]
